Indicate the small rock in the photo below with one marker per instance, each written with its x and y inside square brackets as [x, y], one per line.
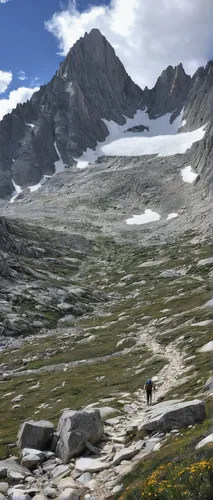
[50, 492]
[92, 485]
[69, 494]
[85, 478]
[4, 488]
[60, 470]
[2, 497]
[118, 488]
[17, 398]
[30, 461]
[124, 454]
[66, 483]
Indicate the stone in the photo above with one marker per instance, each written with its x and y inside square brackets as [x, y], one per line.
[19, 495]
[164, 417]
[92, 485]
[127, 343]
[66, 483]
[35, 434]
[124, 454]
[69, 494]
[17, 398]
[90, 465]
[75, 429]
[118, 489]
[7, 466]
[4, 488]
[31, 461]
[209, 384]
[60, 470]
[106, 411]
[85, 478]
[205, 441]
[32, 451]
[50, 492]
[2, 497]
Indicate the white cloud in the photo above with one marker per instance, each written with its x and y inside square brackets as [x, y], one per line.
[22, 76]
[20, 95]
[147, 35]
[5, 80]
[4, 1]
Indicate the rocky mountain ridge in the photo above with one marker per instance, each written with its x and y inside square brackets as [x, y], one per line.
[66, 116]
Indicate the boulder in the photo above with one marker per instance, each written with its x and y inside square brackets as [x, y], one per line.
[7, 466]
[164, 417]
[75, 429]
[205, 441]
[31, 461]
[33, 434]
[33, 451]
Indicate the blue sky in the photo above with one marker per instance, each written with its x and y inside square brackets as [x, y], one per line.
[148, 35]
[25, 44]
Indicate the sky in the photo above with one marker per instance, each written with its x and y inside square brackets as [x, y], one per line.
[148, 35]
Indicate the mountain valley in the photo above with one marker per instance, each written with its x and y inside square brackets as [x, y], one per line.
[106, 254]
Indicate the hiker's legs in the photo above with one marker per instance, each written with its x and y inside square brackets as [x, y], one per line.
[149, 397]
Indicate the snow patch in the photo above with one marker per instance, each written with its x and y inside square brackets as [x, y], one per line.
[16, 192]
[173, 215]
[148, 216]
[160, 138]
[207, 347]
[59, 164]
[183, 123]
[188, 175]
[30, 125]
[37, 186]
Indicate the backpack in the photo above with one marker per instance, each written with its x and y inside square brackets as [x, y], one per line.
[149, 385]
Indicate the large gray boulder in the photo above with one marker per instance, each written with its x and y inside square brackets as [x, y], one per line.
[165, 417]
[75, 429]
[36, 434]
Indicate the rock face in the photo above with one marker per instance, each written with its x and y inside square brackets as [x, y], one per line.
[65, 117]
[170, 92]
[36, 435]
[75, 429]
[91, 84]
[175, 416]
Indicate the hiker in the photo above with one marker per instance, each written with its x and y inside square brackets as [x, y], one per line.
[149, 386]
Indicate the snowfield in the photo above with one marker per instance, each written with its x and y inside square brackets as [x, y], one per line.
[160, 138]
[148, 216]
[188, 175]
